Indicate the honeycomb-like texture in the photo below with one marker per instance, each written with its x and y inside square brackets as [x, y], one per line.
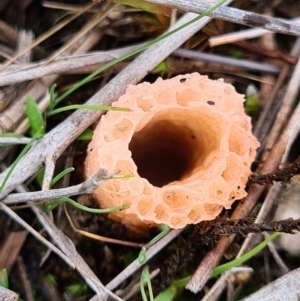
[188, 142]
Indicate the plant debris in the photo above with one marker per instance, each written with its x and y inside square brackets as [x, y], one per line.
[81, 52]
[280, 175]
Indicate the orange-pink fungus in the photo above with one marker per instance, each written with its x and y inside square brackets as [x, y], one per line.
[188, 142]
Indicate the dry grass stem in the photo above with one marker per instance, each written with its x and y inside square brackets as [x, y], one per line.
[65, 64]
[135, 265]
[241, 64]
[222, 282]
[241, 35]
[234, 15]
[68, 248]
[6, 294]
[11, 248]
[281, 264]
[284, 288]
[46, 35]
[86, 187]
[27, 227]
[99, 33]
[286, 107]
[94, 22]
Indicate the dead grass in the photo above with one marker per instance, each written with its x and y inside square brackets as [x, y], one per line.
[62, 42]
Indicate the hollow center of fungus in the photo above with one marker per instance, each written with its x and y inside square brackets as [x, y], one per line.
[172, 145]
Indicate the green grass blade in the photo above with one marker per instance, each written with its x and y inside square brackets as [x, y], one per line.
[135, 51]
[61, 175]
[142, 258]
[10, 135]
[13, 135]
[90, 107]
[145, 277]
[23, 152]
[167, 294]
[35, 117]
[146, 6]
[238, 261]
[4, 278]
[40, 176]
[52, 98]
[54, 203]
[87, 135]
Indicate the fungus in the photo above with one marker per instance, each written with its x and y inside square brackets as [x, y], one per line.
[189, 145]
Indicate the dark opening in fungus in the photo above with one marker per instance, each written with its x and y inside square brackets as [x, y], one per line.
[190, 156]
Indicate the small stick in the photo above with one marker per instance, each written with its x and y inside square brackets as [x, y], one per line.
[215, 292]
[224, 60]
[59, 65]
[286, 107]
[8, 295]
[283, 288]
[14, 140]
[135, 265]
[234, 15]
[46, 35]
[39, 237]
[240, 35]
[87, 186]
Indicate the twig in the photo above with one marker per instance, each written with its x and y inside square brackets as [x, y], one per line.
[219, 286]
[24, 279]
[283, 288]
[47, 34]
[8, 295]
[67, 7]
[93, 22]
[287, 106]
[68, 248]
[87, 186]
[71, 63]
[10, 117]
[135, 265]
[10, 249]
[21, 222]
[282, 266]
[14, 140]
[267, 116]
[25, 39]
[207, 233]
[267, 206]
[49, 172]
[60, 65]
[234, 15]
[224, 60]
[240, 35]
[8, 33]
[8, 94]
[65, 244]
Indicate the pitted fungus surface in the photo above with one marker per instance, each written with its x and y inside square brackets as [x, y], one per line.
[189, 144]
